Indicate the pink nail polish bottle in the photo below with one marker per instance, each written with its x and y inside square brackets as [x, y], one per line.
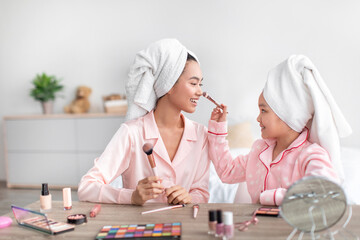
[219, 225]
[228, 225]
[212, 222]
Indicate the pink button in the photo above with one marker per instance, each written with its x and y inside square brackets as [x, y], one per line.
[5, 222]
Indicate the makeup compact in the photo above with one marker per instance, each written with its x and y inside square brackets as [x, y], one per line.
[77, 219]
[39, 221]
[5, 221]
[267, 211]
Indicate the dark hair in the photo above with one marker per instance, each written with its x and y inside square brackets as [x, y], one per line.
[190, 58]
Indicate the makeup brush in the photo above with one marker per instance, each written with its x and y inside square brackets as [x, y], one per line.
[196, 210]
[205, 94]
[148, 149]
[164, 208]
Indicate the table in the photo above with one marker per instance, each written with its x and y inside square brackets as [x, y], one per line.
[112, 214]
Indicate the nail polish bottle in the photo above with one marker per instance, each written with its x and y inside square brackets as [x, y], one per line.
[67, 198]
[212, 222]
[219, 224]
[45, 198]
[228, 225]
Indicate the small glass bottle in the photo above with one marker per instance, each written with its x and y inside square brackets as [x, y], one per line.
[45, 198]
[228, 225]
[219, 224]
[212, 222]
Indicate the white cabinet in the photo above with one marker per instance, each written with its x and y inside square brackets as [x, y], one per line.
[57, 149]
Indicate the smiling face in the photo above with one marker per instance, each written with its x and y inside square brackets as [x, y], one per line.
[186, 92]
[271, 125]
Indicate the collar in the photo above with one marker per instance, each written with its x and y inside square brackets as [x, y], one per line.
[304, 135]
[151, 130]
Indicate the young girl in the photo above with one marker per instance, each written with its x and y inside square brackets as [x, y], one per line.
[300, 129]
[164, 80]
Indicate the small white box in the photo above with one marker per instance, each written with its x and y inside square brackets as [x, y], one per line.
[116, 106]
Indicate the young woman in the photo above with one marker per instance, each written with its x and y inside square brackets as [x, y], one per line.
[300, 129]
[164, 80]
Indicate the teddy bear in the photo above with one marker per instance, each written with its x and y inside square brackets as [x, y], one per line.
[81, 103]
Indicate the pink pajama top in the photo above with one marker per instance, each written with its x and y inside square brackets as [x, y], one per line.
[267, 180]
[124, 156]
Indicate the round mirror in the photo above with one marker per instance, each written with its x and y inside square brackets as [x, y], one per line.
[313, 204]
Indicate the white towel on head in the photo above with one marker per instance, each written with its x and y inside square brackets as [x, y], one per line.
[153, 73]
[298, 95]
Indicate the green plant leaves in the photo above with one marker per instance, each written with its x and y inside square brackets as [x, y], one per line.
[45, 87]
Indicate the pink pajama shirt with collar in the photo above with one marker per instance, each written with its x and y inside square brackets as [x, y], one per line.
[124, 156]
[267, 180]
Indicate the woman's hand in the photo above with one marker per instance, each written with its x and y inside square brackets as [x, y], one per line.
[219, 114]
[177, 195]
[148, 188]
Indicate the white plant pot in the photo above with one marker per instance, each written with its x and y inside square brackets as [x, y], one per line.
[47, 107]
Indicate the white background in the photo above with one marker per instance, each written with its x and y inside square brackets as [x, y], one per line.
[93, 42]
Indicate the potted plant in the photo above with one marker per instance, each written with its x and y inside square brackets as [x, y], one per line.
[45, 88]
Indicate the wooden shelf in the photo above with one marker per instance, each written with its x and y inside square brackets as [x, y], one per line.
[63, 115]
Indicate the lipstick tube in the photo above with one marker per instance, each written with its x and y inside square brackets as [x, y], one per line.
[67, 198]
[95, 210]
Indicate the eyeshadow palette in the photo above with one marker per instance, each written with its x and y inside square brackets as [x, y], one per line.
[141, 231]
[266, 211]
[39, 221]
[50, 225]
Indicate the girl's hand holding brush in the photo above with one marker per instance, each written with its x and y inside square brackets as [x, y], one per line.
[206, 95]
[219, 114]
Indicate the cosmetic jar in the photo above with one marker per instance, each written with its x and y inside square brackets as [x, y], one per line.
[77, 219]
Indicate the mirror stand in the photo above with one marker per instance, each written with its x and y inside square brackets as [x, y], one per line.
[314, 206]
[341, 233]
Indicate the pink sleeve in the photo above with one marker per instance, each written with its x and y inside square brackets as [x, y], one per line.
[272, 197]
[316, 162]
[199, 188]
[94, 185]
[228, 169]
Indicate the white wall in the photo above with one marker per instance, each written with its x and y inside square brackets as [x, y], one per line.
[93, 42]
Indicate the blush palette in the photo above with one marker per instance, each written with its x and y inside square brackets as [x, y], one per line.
[267, 211]
[141, 231]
